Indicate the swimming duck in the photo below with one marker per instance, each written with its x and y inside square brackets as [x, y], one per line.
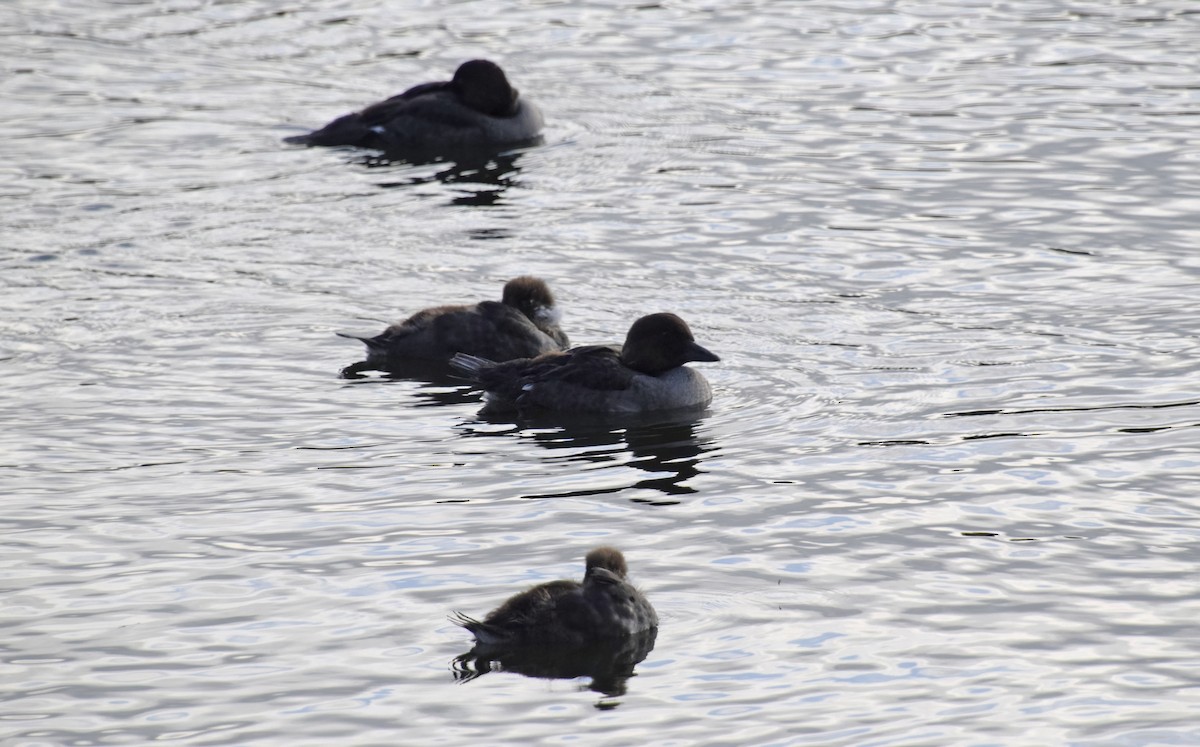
[522, 324]
[568, 612]
[645, 374]
[477, 108]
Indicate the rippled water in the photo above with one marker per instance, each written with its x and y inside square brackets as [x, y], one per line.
[945, 493]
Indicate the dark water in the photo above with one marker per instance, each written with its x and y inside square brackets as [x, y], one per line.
[945, 494]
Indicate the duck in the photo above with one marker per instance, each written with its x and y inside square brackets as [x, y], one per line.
[604, 606]
[645, 374]
[477, 108]
[523, 323]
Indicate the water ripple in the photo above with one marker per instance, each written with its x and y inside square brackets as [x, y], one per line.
[944, 493]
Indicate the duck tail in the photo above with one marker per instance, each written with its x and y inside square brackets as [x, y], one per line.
[483, 632]
[463, 621]
[470, 366]
[377, 344]
[348, 129]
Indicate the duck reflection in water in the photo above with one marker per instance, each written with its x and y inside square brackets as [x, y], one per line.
[434, 387]
[481, 176]
[609, 663]
[664, 445]
[600, 627]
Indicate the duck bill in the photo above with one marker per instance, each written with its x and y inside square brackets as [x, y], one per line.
[697, 353]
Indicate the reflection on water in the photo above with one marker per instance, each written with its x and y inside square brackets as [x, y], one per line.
[437, 384]
[948, 489]
[481, 176]
[608, 663]
[665, 445]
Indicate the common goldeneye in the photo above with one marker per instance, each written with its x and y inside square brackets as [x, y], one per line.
[477, 108]
[643, 375]
[568, 612]
[524, 323]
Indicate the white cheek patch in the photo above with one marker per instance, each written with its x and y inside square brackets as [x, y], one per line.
[378, 129]
[527, 388]
[548, 314]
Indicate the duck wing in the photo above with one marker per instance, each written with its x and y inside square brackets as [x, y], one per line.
[591, 367]
[588, 368]
[433, 108]
[487, 330]
[355, 128]
[527, 616]
[417, 330]
[592, 379]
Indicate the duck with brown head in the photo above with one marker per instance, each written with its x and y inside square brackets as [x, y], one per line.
[523, 323]
[605, 605]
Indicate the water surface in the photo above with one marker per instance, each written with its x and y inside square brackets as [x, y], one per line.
[945, 493]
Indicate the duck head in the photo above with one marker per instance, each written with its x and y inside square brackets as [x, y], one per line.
[658, 343]
[482, 85]
[605, 561]
[532, 297]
